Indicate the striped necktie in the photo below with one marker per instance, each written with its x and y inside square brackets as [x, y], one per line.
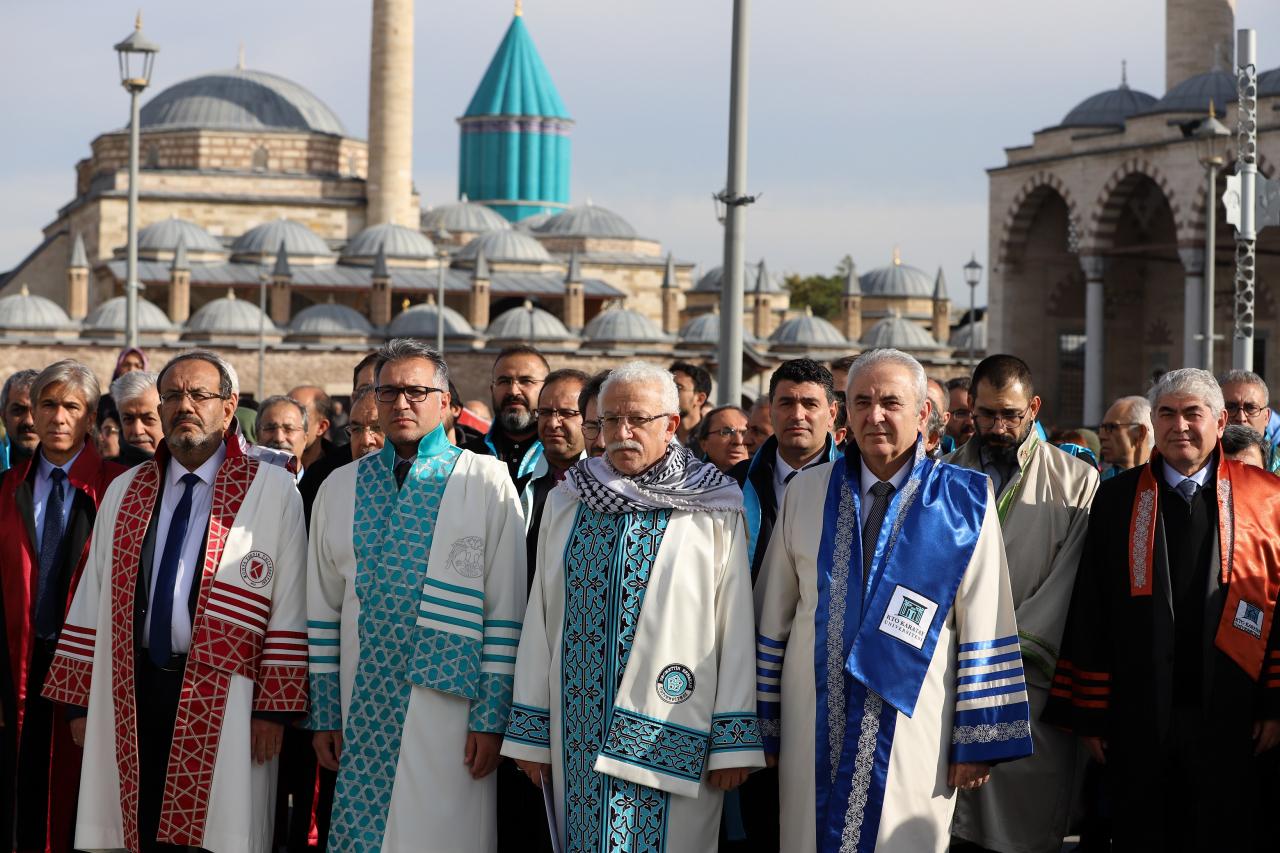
[882, 493]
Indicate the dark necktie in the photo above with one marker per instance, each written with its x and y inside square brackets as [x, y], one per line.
[1188, 488]
[161, 634]
[50, 548]
[882, 494]
[402, 470]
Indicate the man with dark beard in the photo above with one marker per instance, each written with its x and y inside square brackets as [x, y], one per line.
[1043, 497]
[518, 374]
[20, 436]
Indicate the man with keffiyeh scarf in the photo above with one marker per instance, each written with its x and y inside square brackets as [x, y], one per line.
[634, 679]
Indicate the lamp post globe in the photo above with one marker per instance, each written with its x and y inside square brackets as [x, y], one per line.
[972, 277]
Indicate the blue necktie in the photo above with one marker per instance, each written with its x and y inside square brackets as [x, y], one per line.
[161, 634]
[1188, 488]
[50, 548]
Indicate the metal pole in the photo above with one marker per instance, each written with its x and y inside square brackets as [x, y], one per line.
[732, 281]
[1247, 170]
[1210, 259]
[131, 278]
[973, 322]
[440, 305]
[262, 335]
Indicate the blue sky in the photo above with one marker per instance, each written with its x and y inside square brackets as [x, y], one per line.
[870, 124]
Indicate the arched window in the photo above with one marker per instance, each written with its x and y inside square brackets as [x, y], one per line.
[260, 159]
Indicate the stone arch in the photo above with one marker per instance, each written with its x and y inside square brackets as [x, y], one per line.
[1022, 212]
[1118, 191]
[261, 159]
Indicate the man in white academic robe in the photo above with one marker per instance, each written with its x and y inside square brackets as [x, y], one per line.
[186, 637]
[416, 588]
[888, 665]
[634, 685]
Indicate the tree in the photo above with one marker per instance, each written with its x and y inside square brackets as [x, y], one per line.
[819, 292]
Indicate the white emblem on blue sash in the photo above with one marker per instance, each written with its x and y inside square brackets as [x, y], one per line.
[908, 616]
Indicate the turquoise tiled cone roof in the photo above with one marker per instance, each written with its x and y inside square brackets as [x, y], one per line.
[517, 83]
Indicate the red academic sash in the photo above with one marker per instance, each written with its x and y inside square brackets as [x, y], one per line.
[1248, 555]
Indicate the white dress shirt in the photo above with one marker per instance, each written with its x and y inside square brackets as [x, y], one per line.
[44, 485]
[1173, 477]
[781, 470]
[868, 480]
[190, 558]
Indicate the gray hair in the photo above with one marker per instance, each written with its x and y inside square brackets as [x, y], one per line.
[401, 349]
[132, 385]
[1191, 381]
[642, 372]
[1238, 437]
[68, 372]
[1248, 377]
[20, 381]
[280, 399]
[228, 382]
[1140, 412]
[887, 355]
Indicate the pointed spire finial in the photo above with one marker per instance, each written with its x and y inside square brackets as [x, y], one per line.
[852, 286]
[231, 294]
[24, 290]
[464, 198]
[282, 263]
[404, 306]
[762, 277]
[79, 257]
[240, 58]
[180, 256]
[1213, 113]
[669, 274]
[1124, 74]
[575, 269]
[940, 286]
[519, 8]
[897, 256]
[380, 262]
[481, 272]
[137, 21]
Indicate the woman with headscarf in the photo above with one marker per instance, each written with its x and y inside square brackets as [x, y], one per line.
[130, 359]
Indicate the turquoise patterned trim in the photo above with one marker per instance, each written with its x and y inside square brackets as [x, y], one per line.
[735, 733]
[445, 662]
[325, 711]
[492, 707]
[656, 745]
[530, 725]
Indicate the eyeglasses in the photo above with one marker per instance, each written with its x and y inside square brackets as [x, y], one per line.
[1112, 426]
[614, 423]
[1008, 417]
[562, 414]
[962, 414]
[1249, 409]
[590, 429]
[287, 429]
[730, 432]
[173, 398]
[412, 393]
[352, 430]
[522, 381]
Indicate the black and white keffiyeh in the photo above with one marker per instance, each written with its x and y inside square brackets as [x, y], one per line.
[677, 481]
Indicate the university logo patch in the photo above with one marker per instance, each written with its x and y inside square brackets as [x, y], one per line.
[256, 569]
[675, 683]
[911, 609]
[1249, 619]
[908, 617]
[466, 557]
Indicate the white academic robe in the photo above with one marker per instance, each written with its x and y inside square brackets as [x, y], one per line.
[904, 795]
[474, 560]
[248, 653]
[671, 631]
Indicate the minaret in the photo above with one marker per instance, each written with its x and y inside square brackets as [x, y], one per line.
[281, 288]
[478, 299]
[179, 285]
[389, 190]
[1199, 35]
[670, 298]
[78, 281]
[380, 289]
[574, 307]
[941, 309]
[760, 306]
[851, 306]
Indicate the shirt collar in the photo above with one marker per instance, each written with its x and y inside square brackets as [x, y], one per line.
[867, 479]
[205, 472]
[781, 469]
[1173, 477]
[46, 467]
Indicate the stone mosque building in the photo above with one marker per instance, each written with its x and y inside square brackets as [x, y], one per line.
[252, 192]
[1104, 215]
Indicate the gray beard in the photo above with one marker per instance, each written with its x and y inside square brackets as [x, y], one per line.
[186, 445]
[516, 420]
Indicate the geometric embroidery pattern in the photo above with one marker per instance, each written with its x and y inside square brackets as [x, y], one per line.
[72, 667]
[325, 714]
[660, 746]
[445, 662]
[392, 535]
[733, 732]
[530, 725]
[489, 711]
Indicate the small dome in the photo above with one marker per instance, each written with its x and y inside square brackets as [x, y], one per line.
[897, 279]
[710, 282]
[1269, 83]
[465, 217]
[239, 100]
[1194, 94]
[977, 331]
[164, 236]
[1109, 108]
[420, 322]
[110, 316]
[229, 316]
[531, 223]
[622, 324]
[587, 221]
[528, 323]
[298, 239]
[24, 310]
[507, 246]
[705, 329]
[898, 333]
[397, 240]
[808, 331]
[329, 318]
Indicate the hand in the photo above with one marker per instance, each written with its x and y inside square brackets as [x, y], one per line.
[969, 775]
[482, 753]
[1267, 734]
[78, 725]
[770, 760]
[328, 747]
[1098, 748]
[265, 738]
[727, 779]
[535, 771]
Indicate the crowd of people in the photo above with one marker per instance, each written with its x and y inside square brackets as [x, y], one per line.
[868, 611]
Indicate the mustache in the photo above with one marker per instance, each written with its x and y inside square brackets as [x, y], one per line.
[624, 444]
[26, 429]
[179, 420]
[515, 400]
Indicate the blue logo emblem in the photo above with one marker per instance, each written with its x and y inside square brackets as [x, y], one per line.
[675, 683]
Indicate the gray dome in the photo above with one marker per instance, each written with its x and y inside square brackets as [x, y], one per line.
[298, 239]
[897, 279]
[397, 240]
[1269, 83]
[807, 330]
[587, 221]
[528, 323]
[24, 310]
[465, 217]
[420, 322]
[1109, 108]
[622, 324]
[710, 282]
[898, 333]
[164, 236]
[977, 331]
[229, 316]
[532, 223]
[239, 100]
[329, 319]
[705, 329]
[505, 246]
[1194, 94]
[109, 316]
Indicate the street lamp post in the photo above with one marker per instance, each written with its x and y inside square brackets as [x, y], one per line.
[735, 199]
[137, 57]
[1211, 142]
[972, 276]
[442, 260]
